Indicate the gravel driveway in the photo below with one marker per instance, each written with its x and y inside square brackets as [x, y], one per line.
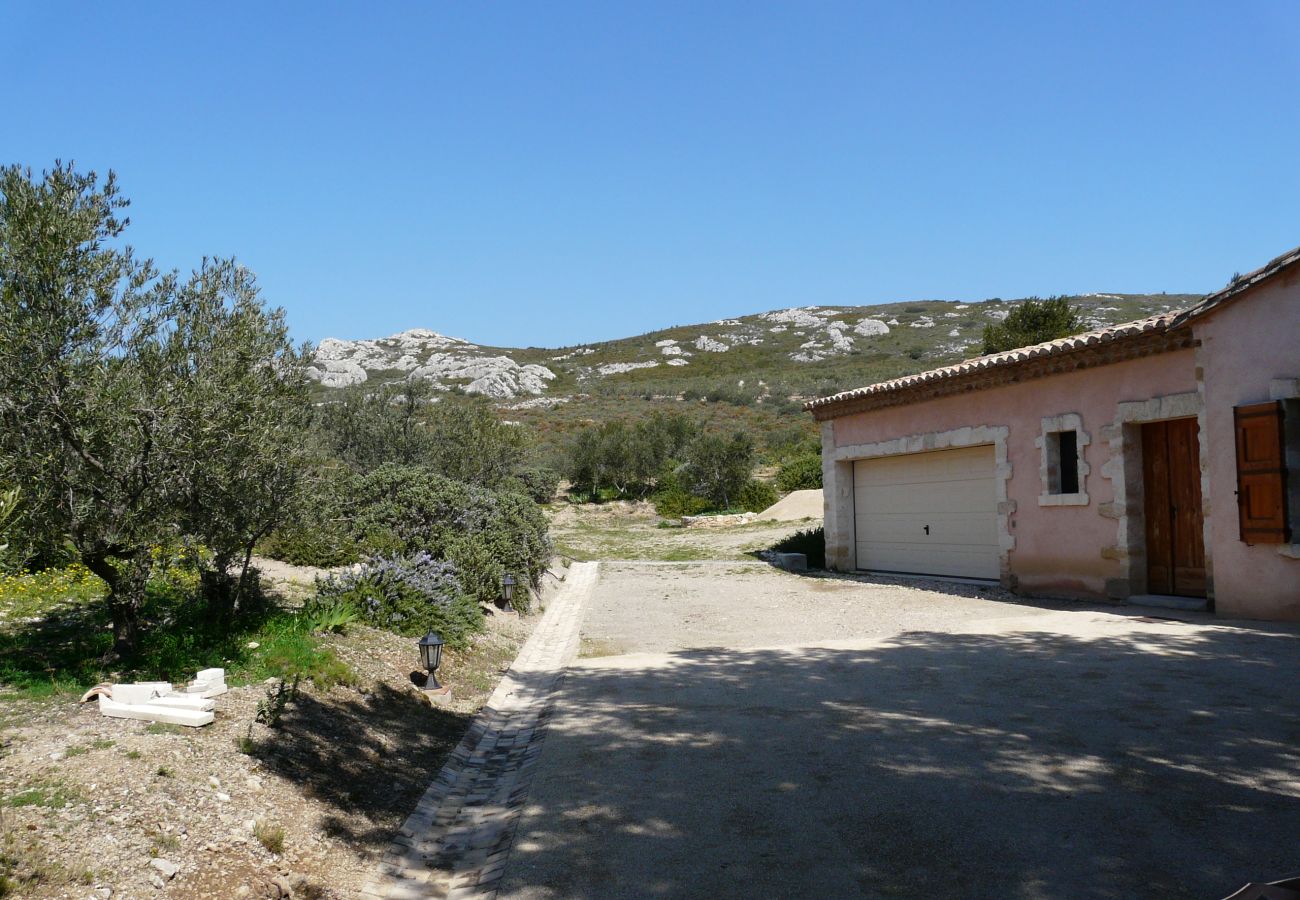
[738, 731]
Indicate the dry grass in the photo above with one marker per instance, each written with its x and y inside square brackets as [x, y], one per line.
[270, 836]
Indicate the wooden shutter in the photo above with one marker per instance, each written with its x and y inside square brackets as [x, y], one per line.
[1261, 473]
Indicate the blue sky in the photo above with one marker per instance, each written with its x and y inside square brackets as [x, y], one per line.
[549, 173]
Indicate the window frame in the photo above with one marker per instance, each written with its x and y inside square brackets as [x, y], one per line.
[1049, 447]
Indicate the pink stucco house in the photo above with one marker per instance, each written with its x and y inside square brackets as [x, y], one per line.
[1153, 461]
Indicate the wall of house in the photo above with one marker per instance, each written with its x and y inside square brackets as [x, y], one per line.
[1247, 348]
[1066, 551]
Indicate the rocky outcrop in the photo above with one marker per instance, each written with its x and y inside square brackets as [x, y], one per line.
[420, 353]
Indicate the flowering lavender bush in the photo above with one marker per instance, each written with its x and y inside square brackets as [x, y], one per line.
[408, 595]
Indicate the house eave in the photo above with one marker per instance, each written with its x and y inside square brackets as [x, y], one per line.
[1010, 372]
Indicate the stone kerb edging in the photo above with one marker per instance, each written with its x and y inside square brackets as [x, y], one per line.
[456, 842]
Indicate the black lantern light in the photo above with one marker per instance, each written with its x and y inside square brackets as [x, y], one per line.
[508, 587]
[431, 656]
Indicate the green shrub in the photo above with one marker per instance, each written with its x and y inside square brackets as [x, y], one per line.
[321, 544]
[326, 616]
[800, 473]
[407, 595]
[811, 542]
[673, 500]
[485, 533]
[756, 496]
[676, 502]
[1033, 321]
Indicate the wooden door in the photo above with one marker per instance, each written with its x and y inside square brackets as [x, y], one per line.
[1171, 476]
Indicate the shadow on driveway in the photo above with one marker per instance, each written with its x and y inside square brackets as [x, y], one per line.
[1129, 759]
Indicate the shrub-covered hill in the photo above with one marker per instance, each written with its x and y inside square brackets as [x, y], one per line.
[787, 353]
[751, 372]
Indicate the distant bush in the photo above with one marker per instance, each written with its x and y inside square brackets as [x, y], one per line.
[407, 595]
[538, 482]
[734, 392]
[800, 473]
[811, 542]
[627, 456]
[718, 467]
[756, 496]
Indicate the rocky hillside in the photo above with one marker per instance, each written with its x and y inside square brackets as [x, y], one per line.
[791, 352]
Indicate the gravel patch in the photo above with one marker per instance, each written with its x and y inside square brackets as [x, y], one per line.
[648, 607]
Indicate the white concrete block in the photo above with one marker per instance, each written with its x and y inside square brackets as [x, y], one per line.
[205, 687]
[183, 701]
[149, 712]
[140, 692]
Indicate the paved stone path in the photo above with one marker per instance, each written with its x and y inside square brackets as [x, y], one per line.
[456, 842]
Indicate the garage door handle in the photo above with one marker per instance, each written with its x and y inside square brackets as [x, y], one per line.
[927, 529]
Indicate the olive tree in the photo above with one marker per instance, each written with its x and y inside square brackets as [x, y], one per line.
[135, 407]
[460, 437]
[718, 467]
[242, 389]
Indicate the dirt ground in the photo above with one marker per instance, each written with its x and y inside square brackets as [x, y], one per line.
[93, 802]
[623, 530]
[765, 734]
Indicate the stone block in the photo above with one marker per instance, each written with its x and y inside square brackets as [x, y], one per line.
[792, 562]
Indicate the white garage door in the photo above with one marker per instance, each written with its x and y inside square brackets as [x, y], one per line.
[928, 513]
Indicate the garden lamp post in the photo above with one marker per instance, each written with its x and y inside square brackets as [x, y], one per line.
[431, 656]
[508, 588]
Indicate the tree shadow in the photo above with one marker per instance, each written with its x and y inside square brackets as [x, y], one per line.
[1117, 762]
[370, 756]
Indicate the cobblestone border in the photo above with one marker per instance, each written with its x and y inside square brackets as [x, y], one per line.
[456, 842]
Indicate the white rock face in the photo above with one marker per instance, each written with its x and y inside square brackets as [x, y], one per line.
[420, 353]
[672, 351]
[539, 403]
[839, 341]
[923, 322]
[678, 361]
[619, 368]
[870, 327]
[581, 351]
[800, 317]
[336, 373]
[956, 332]
[704, 342]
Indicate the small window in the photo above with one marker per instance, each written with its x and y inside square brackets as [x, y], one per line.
[1063, 467]
[1063, 462]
